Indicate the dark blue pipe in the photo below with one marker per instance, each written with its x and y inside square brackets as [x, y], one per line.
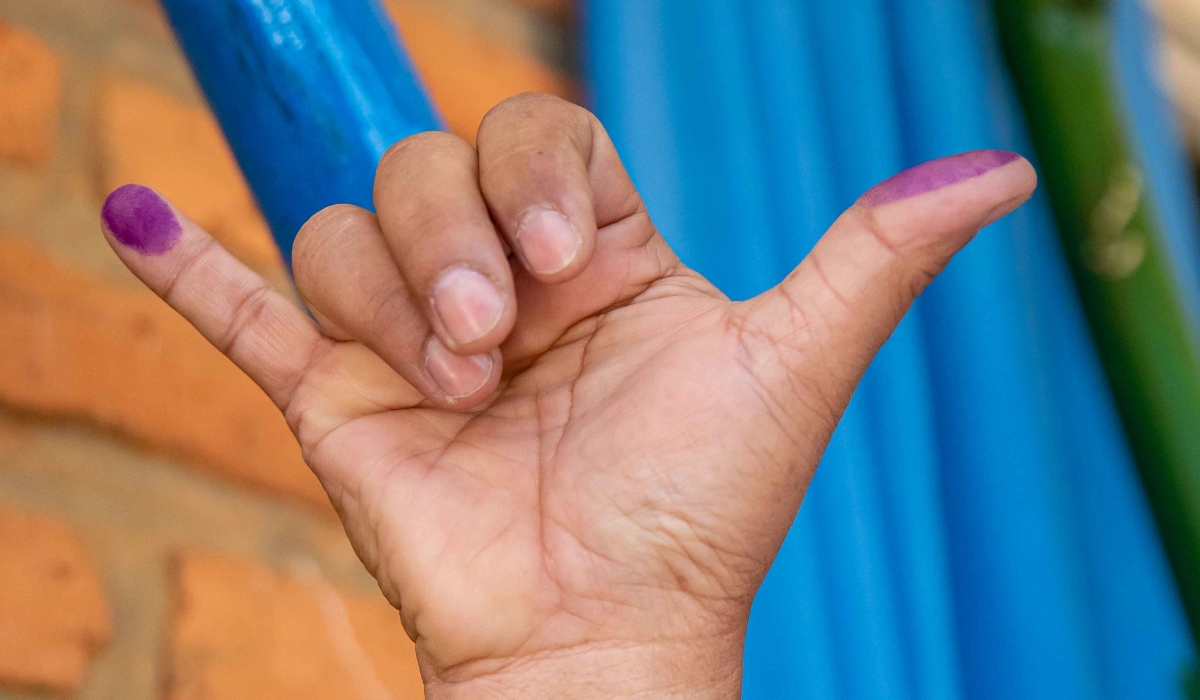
[310, 94]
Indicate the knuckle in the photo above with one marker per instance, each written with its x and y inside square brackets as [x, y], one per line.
[864, 217]
[419, 148]
[526, 104]
[841, 304]
[544, 166]
[318, 232]
[536, 116]
[915, 261]
[416, 232]
[315, 238]
[246, 315]
[385, 307]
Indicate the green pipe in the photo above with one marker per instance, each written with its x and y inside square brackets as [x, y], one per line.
[1059, 53]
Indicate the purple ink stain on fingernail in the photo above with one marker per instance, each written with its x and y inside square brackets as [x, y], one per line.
[139, 219]
[937, 174]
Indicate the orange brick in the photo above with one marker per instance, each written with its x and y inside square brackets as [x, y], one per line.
[467, 74]
[74, 346]
[53, 615]
[30, 94]
[244, 631]
[149, 137]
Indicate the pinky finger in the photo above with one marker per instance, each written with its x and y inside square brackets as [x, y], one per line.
[264, 334]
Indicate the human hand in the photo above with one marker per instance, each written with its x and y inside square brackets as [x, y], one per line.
[569, 468]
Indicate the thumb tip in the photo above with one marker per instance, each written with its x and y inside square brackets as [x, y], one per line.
[952, 172]
[963, 192]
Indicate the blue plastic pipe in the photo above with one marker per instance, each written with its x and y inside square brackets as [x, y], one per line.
[854, 56]
[310, 93]
[846, 497]
[1018, 585]
[792, 649]
[747, 52]
[775, 140]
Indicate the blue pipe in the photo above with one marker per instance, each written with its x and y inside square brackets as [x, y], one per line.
[854, 55]
[310, 93]
[845, 498]
[1022, 626]
[791, 644]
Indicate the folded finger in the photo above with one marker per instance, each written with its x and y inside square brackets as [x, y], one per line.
[437, 227]
[346, 275]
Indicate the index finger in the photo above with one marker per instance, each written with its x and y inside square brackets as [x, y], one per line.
[264, 334]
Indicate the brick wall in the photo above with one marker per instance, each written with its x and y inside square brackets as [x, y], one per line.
[159, 535]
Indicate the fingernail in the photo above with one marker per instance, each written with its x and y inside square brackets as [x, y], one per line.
[548, 240]
[458, 376]
[937, 174]
[139, 219]
[467, 303]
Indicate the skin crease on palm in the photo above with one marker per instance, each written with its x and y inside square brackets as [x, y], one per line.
[593, 512]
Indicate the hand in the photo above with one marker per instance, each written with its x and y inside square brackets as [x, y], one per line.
[568, 467]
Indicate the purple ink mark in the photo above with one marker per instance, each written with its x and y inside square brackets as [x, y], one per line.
[937, 174]
[139, 219]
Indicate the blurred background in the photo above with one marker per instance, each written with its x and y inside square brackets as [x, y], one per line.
[1010, 509]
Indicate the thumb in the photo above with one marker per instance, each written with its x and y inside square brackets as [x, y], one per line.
[820, 328]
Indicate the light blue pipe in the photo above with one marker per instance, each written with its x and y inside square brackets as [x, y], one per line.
[845, 498]
[310, 93]
[717, 157]
[852, 544]
[729, 238]
[1023, 627]
[789, 647]
[792, 645]
[634, 103]
[1140, 633]
[862, 587]
[705, 53]
[854, 54]
[718, 48]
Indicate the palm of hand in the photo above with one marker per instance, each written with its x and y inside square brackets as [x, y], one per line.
[621, 471]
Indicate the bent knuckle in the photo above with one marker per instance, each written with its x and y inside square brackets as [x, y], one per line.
[319, 232]
[536, 116]
[417, 151]
[865, 219]
[526, 104]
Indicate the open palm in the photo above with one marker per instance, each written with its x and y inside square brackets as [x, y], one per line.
[546, 436]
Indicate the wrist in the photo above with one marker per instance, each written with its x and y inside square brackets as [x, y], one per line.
[708, 670]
